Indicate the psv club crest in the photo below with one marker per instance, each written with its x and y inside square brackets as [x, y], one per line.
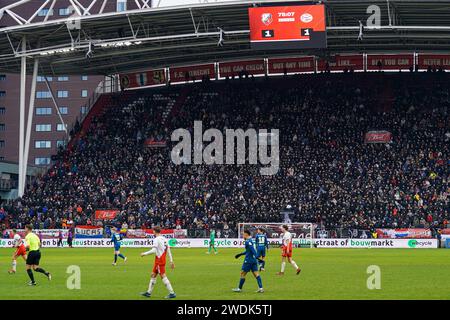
[266, 18]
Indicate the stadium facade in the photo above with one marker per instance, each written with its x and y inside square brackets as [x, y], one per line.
[71, 94]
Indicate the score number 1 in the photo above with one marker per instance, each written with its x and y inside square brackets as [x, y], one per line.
[306, 32]
[268, 33]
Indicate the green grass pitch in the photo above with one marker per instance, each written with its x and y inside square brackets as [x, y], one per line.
[326, 274]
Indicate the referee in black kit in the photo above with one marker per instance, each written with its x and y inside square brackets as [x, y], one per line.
[33, 244]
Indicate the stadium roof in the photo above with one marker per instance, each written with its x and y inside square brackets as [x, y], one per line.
[191, 33]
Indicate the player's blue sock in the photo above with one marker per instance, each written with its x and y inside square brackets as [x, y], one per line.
[122, 256]
[115, 258]
[263, 263]
[258, 279]
[241, 283]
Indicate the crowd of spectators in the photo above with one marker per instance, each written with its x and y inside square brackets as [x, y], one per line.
[328, 174]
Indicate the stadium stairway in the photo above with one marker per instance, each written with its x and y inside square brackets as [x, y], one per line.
[174, 107]
[387, 97]
[383, 85]
[99, 107]
[167, 108]
[166, 104]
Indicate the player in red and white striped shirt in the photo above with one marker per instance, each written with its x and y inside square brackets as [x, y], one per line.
[161, 249]
[287, 251]
[21, 251]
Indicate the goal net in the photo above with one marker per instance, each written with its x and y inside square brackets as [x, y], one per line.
[302, 232]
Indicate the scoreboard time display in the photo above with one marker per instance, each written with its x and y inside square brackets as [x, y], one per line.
[290, 27]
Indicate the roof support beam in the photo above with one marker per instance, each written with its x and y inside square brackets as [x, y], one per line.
[145, 4]
[389, 13]
[30, 120]
[193, 21]
[55, 104]
[50, 10]
[23, 79]
[102, 8]
[39, 10]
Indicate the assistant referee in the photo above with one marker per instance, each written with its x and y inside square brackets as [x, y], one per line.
[33, 243]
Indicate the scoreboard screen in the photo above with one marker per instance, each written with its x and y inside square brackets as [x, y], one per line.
[290, 27]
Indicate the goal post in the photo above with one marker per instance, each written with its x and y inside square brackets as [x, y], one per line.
[302, 232]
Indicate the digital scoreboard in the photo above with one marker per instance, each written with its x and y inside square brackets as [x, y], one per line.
[290, 27]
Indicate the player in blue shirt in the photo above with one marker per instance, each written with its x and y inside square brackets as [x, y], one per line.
[250, 262]
[262, 244]
[117, 241]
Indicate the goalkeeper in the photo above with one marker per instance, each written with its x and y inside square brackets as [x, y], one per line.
[212, 241]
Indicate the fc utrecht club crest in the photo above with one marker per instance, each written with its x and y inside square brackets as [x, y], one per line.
[266, 18]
